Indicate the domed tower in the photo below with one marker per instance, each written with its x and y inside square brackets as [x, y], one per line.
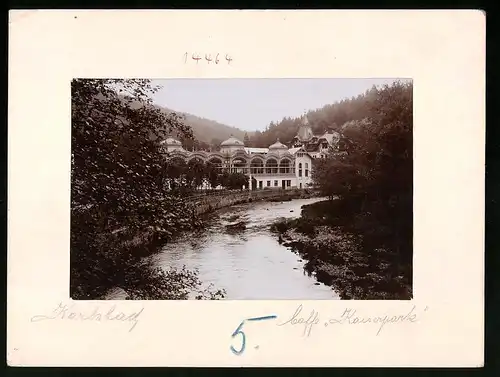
[231, 145]
[278, 148]
[304, 134]
[305, 131]
[170, 144]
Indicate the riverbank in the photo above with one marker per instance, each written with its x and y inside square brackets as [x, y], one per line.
[138, 247]
[206, 204]
[343, 254]
[248, 262]
[151, 238]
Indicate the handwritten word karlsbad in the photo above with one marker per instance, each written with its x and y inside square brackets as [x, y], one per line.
[65, 312]
[208, 58]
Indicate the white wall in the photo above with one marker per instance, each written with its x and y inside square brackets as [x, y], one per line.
[171, 148]
[304, 159]
[269, 177]
[230, 149]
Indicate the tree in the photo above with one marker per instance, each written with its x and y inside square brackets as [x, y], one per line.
[215, 144]
[118, 179]
[195, 173]
[212, 174]
[246, 140]
[334, 177]
[375, 169]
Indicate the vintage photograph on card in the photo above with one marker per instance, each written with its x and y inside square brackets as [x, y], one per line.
[241, 189]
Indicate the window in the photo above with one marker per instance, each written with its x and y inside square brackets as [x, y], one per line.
[275, 183]
[288, 183]
[300, 173]
[307, 173]
[268, 183]
[300, 165]
[307, 165]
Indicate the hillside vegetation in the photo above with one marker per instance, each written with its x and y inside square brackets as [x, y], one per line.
[361, 240]
[120, 208]
[205, 134]
[329, 117]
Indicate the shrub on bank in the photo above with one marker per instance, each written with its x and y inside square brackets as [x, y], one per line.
[119, 176]
[372, 179]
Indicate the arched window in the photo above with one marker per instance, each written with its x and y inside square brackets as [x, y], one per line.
[216, 162]
[257, 166]
[239, 165]
[284, 166]
[271, 166]
[300, 165]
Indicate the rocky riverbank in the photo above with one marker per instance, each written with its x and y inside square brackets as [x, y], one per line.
[338, 257]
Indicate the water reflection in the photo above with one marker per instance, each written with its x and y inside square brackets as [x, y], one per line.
[237, 252]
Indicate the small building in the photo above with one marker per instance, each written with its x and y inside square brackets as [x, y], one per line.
[318, 146]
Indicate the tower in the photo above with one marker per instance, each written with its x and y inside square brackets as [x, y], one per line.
[304, 133]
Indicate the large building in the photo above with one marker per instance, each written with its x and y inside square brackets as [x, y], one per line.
[277, 166]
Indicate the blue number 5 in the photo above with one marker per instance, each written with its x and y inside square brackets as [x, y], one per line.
[243, 338]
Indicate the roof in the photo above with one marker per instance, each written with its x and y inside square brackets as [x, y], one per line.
[305, 133]
[171, 141]
[256, 150]
[232, 142]
[294, 150]
[278, 145]
[312, 147]
[330, 136]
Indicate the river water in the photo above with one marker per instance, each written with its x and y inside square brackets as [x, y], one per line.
[248, 263]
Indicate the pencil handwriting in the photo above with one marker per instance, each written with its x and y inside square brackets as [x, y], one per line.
[208, 58]
[311, 318]
[65, 312]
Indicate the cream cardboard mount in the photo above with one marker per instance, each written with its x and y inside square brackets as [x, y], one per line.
[442, 51]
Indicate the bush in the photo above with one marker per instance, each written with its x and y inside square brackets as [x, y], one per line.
[119, 205]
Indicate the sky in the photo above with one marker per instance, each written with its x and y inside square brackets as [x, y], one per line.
[251, 104]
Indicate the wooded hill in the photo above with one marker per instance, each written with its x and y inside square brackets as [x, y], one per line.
[347, 112]
[207, 130]
[207, 133]
[329, 117]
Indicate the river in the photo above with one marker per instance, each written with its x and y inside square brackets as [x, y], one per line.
[249, 264]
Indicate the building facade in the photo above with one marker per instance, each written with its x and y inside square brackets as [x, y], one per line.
[277, 166]
[317, 146]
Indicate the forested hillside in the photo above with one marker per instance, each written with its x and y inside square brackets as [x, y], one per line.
[329, 117]
[208, 133]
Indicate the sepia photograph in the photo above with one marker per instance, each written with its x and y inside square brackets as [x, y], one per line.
[241, 189]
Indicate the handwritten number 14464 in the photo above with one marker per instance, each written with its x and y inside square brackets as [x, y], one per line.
[209, 58]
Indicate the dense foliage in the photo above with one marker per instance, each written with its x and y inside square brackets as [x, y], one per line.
[119, 205]
[374, 178]
[186, 177]
[361, 240]
[329, 117]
